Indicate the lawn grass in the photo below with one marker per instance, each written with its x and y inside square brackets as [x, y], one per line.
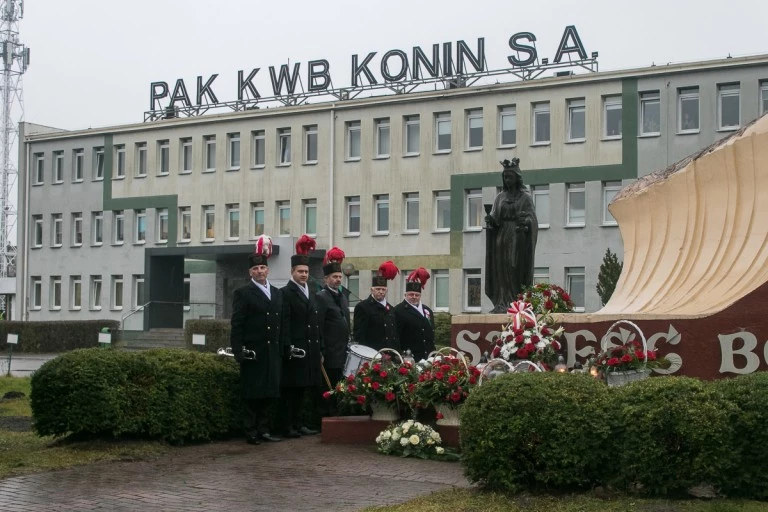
[469, 500]
[16, 407]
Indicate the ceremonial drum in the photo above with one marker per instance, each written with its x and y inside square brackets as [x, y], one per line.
[356, 356]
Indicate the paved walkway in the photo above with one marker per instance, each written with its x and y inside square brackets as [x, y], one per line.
[294, 475]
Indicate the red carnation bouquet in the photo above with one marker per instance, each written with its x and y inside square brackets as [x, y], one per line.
[529, 337]
[629, 356]
[547, 298]
[446, 380]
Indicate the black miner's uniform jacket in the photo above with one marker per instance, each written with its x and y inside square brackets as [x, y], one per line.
[333, 315]
[374, 325]
[301, 329]
[414, 330]
[256, 326]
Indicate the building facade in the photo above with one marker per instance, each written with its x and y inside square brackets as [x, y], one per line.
[165, 212]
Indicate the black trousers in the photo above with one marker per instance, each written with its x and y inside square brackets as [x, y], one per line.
[256, 417]
[292, 402]
[329, 407]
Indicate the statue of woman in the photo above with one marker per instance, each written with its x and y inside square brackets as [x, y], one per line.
[511, 231]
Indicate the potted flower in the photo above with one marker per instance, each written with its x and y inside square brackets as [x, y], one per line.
[626, 363]
[547, 298]
[379, 385]
[529, 337]
[443, 383]
[412, 439]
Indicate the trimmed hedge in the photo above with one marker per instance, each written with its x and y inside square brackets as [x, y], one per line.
[55, 337]
[442, 330]
[216, 334]
[662, 436]
[168, 394]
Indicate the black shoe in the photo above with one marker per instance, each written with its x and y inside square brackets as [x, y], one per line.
[269, 437]
[291, 434]
[305, 431]
[252, 440]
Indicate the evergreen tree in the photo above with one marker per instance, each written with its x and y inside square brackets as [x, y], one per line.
[610, 271]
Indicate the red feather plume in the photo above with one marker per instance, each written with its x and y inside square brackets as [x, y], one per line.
[420, 275]
[305, 245]
[334, 255]
[388, 270]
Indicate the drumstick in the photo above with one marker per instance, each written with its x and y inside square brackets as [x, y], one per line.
[327, 380]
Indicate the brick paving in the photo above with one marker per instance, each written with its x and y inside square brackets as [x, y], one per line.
[293, 475]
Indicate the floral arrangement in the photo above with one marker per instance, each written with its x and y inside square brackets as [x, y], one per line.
[446, 380]
[411, 439]
[529, 337]
[627, 357]
[381, 381]
[547, 298]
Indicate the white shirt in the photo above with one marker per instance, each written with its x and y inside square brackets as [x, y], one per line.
[263, 288]
[304, 288]
[417, 308]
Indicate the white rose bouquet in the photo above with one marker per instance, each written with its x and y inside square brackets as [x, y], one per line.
[412, 439]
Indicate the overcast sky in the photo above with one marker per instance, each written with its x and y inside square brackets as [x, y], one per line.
[92, 61]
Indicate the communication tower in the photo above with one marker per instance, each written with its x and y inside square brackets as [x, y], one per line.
[15, 60]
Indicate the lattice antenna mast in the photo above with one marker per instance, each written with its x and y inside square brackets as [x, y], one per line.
[15, 60]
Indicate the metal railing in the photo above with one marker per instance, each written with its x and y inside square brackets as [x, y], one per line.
[192, 310]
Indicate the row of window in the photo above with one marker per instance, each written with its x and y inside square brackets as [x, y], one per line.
[688, 121]
[474, 217]
[94, 299]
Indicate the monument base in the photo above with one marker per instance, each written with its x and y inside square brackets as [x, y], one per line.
[363, 430]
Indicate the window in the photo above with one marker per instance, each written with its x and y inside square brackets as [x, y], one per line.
[474, 208]
[233, 221]
[209, 149]
[688, 110]
[162, 225]
[473, 292]
[728, 109]
[163, 156]
[186, 155]
[140, 234]
[443, 132]
[574, 285]
[37, 231]
[577, 131]
[310, 216]
[763, 97]
[138, 291]
[57, 234]
[650, 113]
[411, 211]
[119, 161]
[443, 210]
[98, 163]
[541, 203]
[58, 167]
[508, 126]
[97, 228]
[37, 292]
[77, 229]
[353, 140]
[610, 189]
[39, 168]
[541, 123]
[382, 137]
[77, 165]
[353, 215]
[209, 223]
[576, 205]
[412, 127]
[55, 292]
[310, 144]
[141, 159]
[185, 214]
[381, 214]
[612, 117]
[119, 227]
[233, 151]
[441, 300]
[284, 218]
[475, 129]
[95, 292]
[75, 292]
[258, 219]
[284, 146]
[259, 148]
[353, 285]
[540, 275]
[116, 299]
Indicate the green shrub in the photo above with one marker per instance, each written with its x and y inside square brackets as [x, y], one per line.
[167, 394]
[442, 330]
[535, 431]
[675, 434]
[750, 440]
[216, 334]
[55, 337]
